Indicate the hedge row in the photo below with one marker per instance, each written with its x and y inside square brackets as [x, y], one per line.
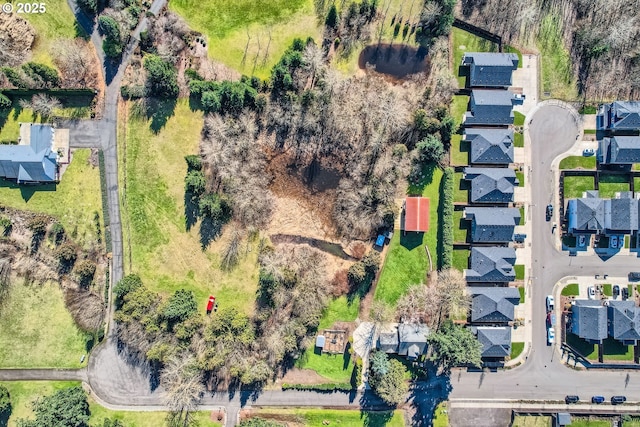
[105, 201]
[447, 218]
[330, 387]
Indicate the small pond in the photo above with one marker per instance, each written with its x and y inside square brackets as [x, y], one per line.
[397, 61]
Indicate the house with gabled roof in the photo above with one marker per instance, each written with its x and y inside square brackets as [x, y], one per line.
[490, 69]
[491, 265]
[586, 215]
[492, 225]
[619, 116]
[388, 340]
[412, 339]
[493, 304]
[621, 214]
[490, 146]
[491, 107]
[495, 341]
[491, 185]
[589, 320]
[619, 150]
[34, 160]
[624, 321]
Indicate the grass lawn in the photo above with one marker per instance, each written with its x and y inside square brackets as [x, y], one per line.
[229, 24]
[609, 185]
[458, 107]
[335, 368]
[572, 289]
[518, 139]
[578, 162]
[523, 219]
[24, 392]
[607, 289]
[520, 177]
[346, 418]
[516, 349]
[589, 131]
[557, 76]
[585, 349]
[519, 268]
[532, 421]
[460, 227]
[165, 255]
[460, 151]
[634, 422]
[461, 188]
[463, 41]
[574, 186]
[73, 201]
[582, 422]
[461, 259]
[518, 120]
[511, 49]
[31, 337]
[10, 120]
[522, 292]
[406, 262]
[441, 415]
[615, 350]
[636, 184]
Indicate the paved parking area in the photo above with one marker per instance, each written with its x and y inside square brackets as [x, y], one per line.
[479, 417]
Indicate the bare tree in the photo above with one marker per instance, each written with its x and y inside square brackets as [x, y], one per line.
[42, 104]
[16, 39]
[231, 252]
[78, 65]
[184, 385]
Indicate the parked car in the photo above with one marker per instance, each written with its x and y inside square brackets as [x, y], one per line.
[582, 240]
[571, 399]
[588, 152]
[616, 291]
[634, 275]
[597, 399]
[550, 302]
[625, 293]
[617, 400]
[613, 242]
[519, 237]
[549, 212]
[551, 319]
[591, 292]
[551, 336]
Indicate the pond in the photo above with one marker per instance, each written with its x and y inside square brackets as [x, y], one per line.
[397, 61]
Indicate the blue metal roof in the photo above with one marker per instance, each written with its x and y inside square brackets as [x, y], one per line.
[35, 162]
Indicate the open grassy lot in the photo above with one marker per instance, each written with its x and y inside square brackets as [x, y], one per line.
[574, 186]
[516, 348]
[73, 201]
[23, 393]
[461, 259]
[578, 162]
[557, 77]
[336, 368]
[406, 262]
[458, 107]
[346, 418]
[269, 27]
[463, 41]
[165, 255]
[32, 336]
[459, 151]
[461, 188]
[532, 421]
[609, 185]
[572, 289]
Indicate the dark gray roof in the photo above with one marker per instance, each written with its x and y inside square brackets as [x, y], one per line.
[619, 115]
[619, 150]
[493, 305]
[491, 185]
[624, 321]
[491, 264]
[490, 107]
[412, 339]
[586, 215]
[490, 146]
[490, 69]
[496, 341]
[492, 224]
[589, 320]
[388, 339]
[35, 162]
[621, 215]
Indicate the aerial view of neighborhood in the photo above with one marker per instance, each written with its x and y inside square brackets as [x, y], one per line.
[288, 213]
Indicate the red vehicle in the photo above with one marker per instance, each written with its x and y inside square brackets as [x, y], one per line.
[211, 305]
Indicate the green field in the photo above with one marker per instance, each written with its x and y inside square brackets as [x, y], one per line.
[578, 162]
[73, 202]
[335, 368]
[162, 252]
[572, 289]
[406, 262]
[23, 393]
[609, 185]
[516, 348]
[463, 41]
[228, 24]
[332, 417]
[33, 337]
[557, 73]
[459, 151]
[574, 186]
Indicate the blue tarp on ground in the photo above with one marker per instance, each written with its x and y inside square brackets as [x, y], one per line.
[380, 240]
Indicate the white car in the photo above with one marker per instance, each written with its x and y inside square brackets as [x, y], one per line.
[550, 302]
[551, 336]
[591, 292]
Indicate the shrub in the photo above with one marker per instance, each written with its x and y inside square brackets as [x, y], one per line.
[356, 376]
[5, 225]
[331, 387]
[89, 6]
[430, 150]
[38, 225]
[162, 77]
[85, 270]
[5, 103]
[357, 273]
[66, 255]
[195, 183]
[371, 262]
[215, 207]
[5, 404]
[132, 91]
[447, 218]
[14, 77]
[109, 27]
[56, 233]
[48, 76]
[127, 284]
[211, 101]
[112, 48]
[194, 162]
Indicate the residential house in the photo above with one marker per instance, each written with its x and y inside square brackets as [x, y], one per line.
[619, 116]
[589, 320]
[490, 69]
[619, 150]
[491, 265]
[388, 338]
[621, 214]
[492, 225]
[493, 304]
[491, 107]
[490, 146]
[35, 159]
[624, 321]
[496, 341]
[586, 215]
[491, 185]
[412, 340]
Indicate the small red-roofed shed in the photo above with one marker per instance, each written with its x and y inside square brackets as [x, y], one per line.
[416, 214]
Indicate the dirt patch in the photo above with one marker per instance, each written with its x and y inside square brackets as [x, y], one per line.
[290, 420]
[302, 376]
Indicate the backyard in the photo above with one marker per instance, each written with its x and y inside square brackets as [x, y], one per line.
[613, 349]
[463, 41]
[33, 338]
[531, 421]
[610, 184]
[460, 227]
[322, 417]
[156, 243]
[457, 109]
[574, 186]
[461, 188]
[461, 259]
[459, 151]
